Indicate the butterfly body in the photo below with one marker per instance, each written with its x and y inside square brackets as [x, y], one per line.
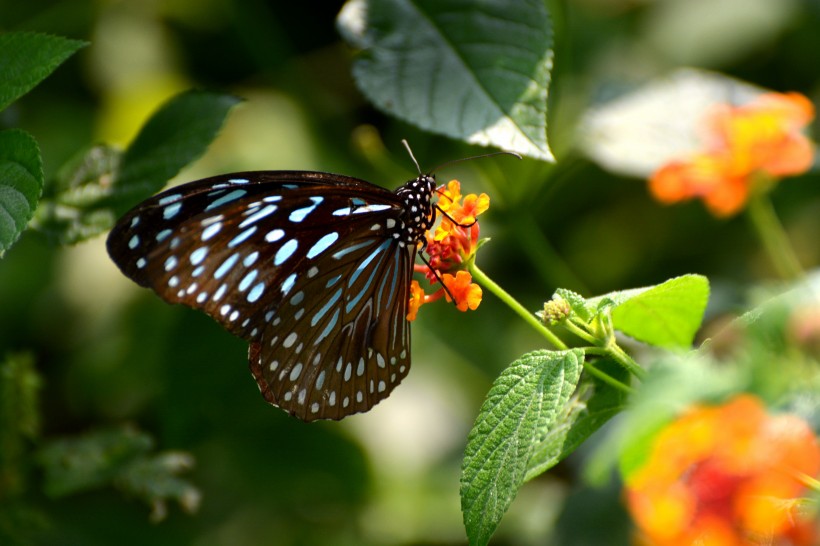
[312, 269]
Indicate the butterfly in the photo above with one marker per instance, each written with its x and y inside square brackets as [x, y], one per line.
[312, 269]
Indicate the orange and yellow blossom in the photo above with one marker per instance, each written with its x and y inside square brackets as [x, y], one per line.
[450, 247]
[748, 148]
[466, 293]
[729, 475]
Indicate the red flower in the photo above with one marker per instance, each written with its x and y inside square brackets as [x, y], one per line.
[729, 475]
[450, 249]
[748, 148]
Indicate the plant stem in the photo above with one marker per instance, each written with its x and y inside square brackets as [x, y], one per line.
[768, 227]
[528, 317]
[616, 353]
[580, 332]
[606, 378]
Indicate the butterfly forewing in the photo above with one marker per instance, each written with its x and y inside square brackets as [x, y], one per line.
[313, 269]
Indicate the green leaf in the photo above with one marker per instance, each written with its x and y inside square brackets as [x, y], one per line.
[665, 315]
[175, 135]
[120, 457]
[21, 183]
[577, 303]
[99, 185]
[477, 71]
[19, 421]
[27, 58]
[87, 177]
[74, 206]
[594, 403]
[522, 407]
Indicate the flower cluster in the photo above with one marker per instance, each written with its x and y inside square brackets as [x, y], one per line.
[749, 147]
[729, 475]
[450, 248]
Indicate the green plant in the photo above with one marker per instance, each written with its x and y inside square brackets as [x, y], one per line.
[478, 72]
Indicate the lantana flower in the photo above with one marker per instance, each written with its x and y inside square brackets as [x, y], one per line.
[451, 246]
[748, 148]
[729, 475]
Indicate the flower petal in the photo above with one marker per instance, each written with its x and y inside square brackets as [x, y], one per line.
[416, 300]
[466, 294]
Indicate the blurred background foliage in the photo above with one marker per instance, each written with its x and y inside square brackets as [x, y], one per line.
[111, 356]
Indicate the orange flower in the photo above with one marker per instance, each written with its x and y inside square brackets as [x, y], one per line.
[416, 300]
[749, 147]
[450, 248]
[726, 476]
[466, 294]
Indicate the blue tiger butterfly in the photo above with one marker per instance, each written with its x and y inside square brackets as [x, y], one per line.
[312, 269]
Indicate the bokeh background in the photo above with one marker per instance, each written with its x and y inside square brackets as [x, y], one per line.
[110, 353]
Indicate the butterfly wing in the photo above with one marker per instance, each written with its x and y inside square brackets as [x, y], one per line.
[303, 265]
[340, 342]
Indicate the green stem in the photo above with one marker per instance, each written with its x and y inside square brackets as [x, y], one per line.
[592, 370]
[580, 332]
[609, 348]
[768, 227]
[618, 354]
[528, 317]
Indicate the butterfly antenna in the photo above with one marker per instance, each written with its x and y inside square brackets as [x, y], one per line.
[454, 161]
[409, 151]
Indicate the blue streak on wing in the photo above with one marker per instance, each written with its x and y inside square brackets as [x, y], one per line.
[352, 248]
[326, 307]
[352, 303]
[329, 328]
[363, 265]
[227, 198]
[395, 269]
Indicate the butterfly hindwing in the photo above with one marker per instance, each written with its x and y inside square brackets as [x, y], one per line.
[349, 344]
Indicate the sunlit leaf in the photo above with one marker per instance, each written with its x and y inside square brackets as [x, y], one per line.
[666, 315]
[522, 407]
[593, 404]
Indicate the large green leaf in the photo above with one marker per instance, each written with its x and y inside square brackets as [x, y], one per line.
[473, 70]
[593, 404]
[666, 315]
[176, 134]
[21, 183]
[27, 58]
[522, 407]
[101, 183]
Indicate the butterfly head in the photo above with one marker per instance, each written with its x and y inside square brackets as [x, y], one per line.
[419, 213]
